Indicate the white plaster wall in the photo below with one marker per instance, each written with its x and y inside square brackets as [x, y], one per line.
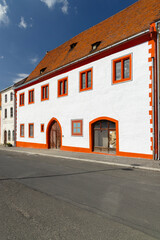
[127, 102]
[7, 123]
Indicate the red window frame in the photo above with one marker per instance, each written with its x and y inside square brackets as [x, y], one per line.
[29, 131]
[43, 98]
[21, 99]
[86, 80]
[61, 83]
[42, 127]
[21, 125]
[31, 96]
[77, 133]
[122, 59]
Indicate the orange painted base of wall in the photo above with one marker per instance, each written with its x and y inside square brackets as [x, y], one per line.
[31, 145]
[83, 150]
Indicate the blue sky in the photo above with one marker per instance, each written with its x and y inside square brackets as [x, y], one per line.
[29, 28]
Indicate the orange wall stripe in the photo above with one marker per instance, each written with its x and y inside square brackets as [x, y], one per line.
[31, 145]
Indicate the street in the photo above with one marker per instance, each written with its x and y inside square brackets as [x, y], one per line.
[49, 198]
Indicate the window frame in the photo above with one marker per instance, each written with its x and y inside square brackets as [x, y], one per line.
[21, 125]
[21, 103]
[32, 96]
[122, 59]
[42, 127]
[80, 80]
[44, 86]
[29, 134]
[11, 96]
[59, 87]
[81, 127]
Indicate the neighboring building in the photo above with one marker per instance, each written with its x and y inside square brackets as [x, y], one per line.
[0, 118]
[7, 116]
[98, 92]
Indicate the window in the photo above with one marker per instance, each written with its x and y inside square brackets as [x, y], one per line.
[63, 87]
[31, 130]
[21, 99]
[86, 80]
[73, 45]
[31, 96]
[9, 135]
[122, 69]
[11, 112]
[45, 92]
[95, 45]
[5, 113]
[42, 127]
[5, 98]
[42, 70]
[21, 130]
[13, 135]
[77, 127]
[11, 96]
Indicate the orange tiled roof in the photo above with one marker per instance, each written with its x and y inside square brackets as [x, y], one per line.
[132, 20]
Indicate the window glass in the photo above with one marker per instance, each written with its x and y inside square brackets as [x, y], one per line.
[89, 78]
[83, 80]
[31, 130]
[9, 135]
[104, 124]
[13, 135]
[65, 86]
[118, 70]
[46, 91]
[126, 68]
[61, 88]
[112, 125]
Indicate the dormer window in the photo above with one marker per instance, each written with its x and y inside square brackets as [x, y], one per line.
[73, 46]
[42, 70]
[95, 45]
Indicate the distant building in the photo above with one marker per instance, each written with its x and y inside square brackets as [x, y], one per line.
[99, 91]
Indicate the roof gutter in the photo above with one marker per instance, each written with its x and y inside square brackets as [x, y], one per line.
[83, 58]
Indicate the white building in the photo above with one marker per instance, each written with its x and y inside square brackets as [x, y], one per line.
[7, 116]
[98, 92]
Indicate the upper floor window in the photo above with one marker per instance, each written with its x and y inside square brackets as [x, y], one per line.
[11, 96]
[122, 70]
[86, 80]
[11, 112]
[45, 92]
[5, 113]
[31, 130]
[63, 87]
[21, 99]
[5, 98]
[31, 96]
[77, 126]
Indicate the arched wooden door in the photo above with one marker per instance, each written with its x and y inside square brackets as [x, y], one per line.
[104, 136]
[55, 136]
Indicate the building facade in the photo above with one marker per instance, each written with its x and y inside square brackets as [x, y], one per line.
[98, 92]
[7, 116]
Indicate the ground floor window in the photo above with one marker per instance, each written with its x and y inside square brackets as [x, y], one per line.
[104, 136]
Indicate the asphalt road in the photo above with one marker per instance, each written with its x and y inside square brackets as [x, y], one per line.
[44, 198]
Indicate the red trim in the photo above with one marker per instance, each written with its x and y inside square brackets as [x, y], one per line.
[81, 127]
[21, 99]
[131, 43]
[91, 134]
[122, 59]
[48, 131]
[63, 87]
[30, 101]
[43, 98]
[31, 145]
[21, 130]
[86, 80]
[29, 134]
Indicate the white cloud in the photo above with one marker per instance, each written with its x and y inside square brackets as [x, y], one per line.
[52, 3]
[34, 60]
[19, 77]
[22, 23]
[1, 57]
[3, 12]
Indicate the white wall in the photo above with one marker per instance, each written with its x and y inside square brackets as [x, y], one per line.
[127, 102]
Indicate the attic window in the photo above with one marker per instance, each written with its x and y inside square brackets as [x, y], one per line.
[73, 46]
[42, 70]
[95, 45]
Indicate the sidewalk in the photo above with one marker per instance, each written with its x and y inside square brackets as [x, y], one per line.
[137, 163]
